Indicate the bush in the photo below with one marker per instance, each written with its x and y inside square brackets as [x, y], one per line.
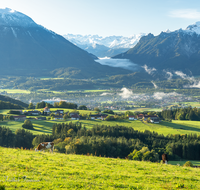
[188, 164]
[2, 187]
[27, 124]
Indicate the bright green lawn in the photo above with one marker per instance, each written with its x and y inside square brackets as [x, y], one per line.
[164, 128]
[15, 91]
[24, 169]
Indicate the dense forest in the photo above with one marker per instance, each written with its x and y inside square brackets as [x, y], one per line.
[119, 141]
[188, 113]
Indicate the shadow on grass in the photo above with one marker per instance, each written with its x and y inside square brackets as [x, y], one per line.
[179, 126]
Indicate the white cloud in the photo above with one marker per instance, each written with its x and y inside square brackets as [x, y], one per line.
[148, 70]
[184, 76]
[154, 84]
[122, 63]
[126, 93]
[185, 13]
[161, 95]
[170, 75]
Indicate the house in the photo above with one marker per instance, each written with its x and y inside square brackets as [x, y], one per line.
[103, 117]
[35, 112]
[97, 116]
[152, 117]
[40, 118]
[19, 117]
[59, 112]
[140, 116]
[132, 117]
[47, 110]
[75, 117]
[56, 117]
[155, 121]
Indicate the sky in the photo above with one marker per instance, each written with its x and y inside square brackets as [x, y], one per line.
[109, 17]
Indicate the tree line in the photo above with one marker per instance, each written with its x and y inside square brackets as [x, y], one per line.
[188, 113]
[120, 141]
[108, 141]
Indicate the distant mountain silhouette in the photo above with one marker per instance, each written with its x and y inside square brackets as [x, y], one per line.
[178, 50]
[29, 49]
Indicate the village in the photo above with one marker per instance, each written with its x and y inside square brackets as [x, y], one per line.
[47, 114]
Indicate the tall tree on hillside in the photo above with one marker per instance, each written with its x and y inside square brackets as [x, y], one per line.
[31, 106]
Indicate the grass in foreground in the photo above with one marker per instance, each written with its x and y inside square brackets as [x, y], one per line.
[24, 169]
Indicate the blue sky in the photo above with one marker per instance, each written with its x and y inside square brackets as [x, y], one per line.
[109, 17]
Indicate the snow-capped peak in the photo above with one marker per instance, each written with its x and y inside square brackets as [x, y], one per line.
[109, 41]
[194, 28]
[9, 17]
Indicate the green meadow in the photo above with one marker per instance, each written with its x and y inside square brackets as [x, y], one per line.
[165, 128]
[15, 91]
[26, 169]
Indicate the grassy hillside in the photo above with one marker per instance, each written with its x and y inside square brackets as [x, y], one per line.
[24, 169]
[165, 128]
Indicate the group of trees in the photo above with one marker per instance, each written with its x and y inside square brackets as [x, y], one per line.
[8, 105]
[109, 141]
[188, 113]
[119, 141]
[61, 104]
[21, 138]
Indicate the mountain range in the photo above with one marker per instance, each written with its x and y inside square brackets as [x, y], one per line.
[169, 51]
[28, 49]
[104, 46]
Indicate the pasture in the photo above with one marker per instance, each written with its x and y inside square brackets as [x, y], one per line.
[25, 169]
[165, 128]
[15, 91]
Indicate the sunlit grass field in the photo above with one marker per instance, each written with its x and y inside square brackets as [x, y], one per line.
[25, 169]
[15, 91]
[165, 128]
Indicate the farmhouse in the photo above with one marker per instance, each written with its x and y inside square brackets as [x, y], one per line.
[132, 117]
[155, 121]
[152, 117]
[59, 112]
[58, 117]
[35, 112]
[46, 110]
[140, 116]
[97, 116]
[19, 117]
[103, 117]
[75, 117]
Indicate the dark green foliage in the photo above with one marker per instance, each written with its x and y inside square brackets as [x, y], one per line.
[2, 187]
[63, 104]
[27, 124]
[10, 103]
[108, 111]
[21, 138]
[14, 112]
[181, 114]
[31, 106]
[82, 107]
[40, 105]
[119, 141]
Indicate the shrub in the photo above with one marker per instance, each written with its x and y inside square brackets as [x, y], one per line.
[27, 124]
[188, 164]
[2, 187]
